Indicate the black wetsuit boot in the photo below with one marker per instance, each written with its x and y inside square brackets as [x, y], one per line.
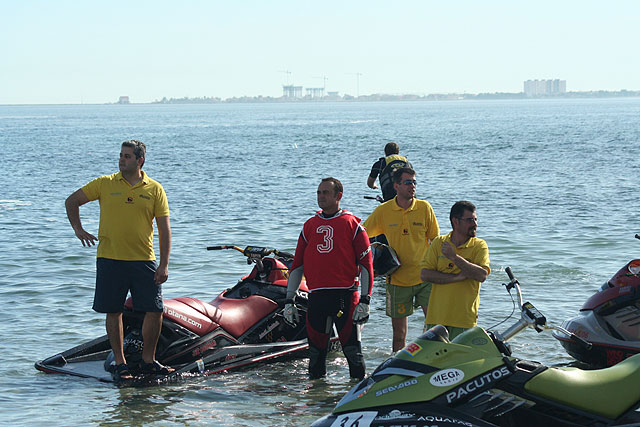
[353, 353]
[317, 362]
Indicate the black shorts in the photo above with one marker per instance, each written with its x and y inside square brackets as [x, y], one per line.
[115, 278]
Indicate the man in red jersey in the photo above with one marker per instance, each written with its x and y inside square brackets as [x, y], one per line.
[333, 253]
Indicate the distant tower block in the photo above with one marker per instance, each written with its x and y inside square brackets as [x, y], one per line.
[545, 87]
[123, 100]
[315, 92]
[290, 91]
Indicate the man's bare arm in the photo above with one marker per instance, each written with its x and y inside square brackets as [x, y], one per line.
[72, 205]
[164, 232]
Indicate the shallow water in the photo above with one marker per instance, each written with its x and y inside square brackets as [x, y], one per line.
[553, 181]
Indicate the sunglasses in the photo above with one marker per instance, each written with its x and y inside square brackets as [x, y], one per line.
[469, 220]
[409, 182]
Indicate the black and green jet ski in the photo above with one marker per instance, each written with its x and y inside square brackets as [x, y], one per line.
[474, 380]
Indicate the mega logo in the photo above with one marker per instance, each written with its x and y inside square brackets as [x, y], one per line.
[446, 377]
[391, 388]
[478, 383]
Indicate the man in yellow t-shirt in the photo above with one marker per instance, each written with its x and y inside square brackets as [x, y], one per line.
[456, 264]
[129, 201]
[409, 224]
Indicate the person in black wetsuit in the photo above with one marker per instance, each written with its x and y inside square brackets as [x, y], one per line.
[334, 255]
[383, 169]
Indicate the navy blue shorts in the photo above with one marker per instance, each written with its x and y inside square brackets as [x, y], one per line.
[114, 280]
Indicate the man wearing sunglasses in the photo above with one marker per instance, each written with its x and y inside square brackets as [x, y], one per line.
[456, 264]
[410, 225]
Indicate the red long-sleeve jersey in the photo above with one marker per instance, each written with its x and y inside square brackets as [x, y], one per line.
[332, 251]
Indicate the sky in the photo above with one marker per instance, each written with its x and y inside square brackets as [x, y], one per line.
[58, 52]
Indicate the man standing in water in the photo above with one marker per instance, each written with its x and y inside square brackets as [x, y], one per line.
[129, 201]
[384, 168]
[333, 250]
[456, 264]
[409, 224]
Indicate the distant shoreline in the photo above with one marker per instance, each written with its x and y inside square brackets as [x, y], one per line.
[372, 98]
[407, 97]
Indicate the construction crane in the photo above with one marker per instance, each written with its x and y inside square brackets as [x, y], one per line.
[288, 73]
[357, 83]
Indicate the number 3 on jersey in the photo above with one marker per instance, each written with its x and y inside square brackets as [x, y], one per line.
[327, 232]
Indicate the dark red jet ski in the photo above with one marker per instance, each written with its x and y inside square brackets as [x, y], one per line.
[242, 326]
[609, 319]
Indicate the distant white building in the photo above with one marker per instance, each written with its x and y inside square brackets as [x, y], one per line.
[123, 100]
[315, 92]
[290, 91]
[545, 87]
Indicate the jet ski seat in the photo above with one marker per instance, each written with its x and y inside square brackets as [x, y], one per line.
[190, 313]
[608, 392]
[236, 316]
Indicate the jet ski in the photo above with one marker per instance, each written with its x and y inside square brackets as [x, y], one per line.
[475, 381]
[241, 326]
[609, 319]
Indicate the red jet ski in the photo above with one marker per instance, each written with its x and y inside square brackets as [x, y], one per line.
[241, 326]
[609, 320]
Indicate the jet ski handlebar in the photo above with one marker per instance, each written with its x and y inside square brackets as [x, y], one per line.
[378, 198]
[253, 252]
[531, 317]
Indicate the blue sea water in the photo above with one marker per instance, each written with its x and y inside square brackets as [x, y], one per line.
[554, 182]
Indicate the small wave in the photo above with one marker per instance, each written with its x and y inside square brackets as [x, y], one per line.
[12, 203]
[362, 121]
[27, 117]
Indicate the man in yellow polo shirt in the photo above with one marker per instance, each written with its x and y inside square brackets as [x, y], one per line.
[129, 201]
[456, 264]
[409, 224]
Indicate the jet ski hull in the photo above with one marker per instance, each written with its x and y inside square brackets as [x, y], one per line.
[605, 350]
[88, 360]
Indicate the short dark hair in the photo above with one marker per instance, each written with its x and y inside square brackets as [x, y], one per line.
[337, 185]
[139, 149]
[391, 148]
[458, 209]
[397, 174]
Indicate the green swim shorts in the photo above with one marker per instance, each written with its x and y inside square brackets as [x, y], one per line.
[401, 300]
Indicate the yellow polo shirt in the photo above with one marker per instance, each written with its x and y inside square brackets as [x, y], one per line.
[455, 304]
[408, 232]
[126, 215]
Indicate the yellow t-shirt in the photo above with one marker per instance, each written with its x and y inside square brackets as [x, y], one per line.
[408, 232]
[126, 215]
[455, 304]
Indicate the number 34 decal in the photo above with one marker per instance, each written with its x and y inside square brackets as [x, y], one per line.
[355, 419]
[327, 232]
